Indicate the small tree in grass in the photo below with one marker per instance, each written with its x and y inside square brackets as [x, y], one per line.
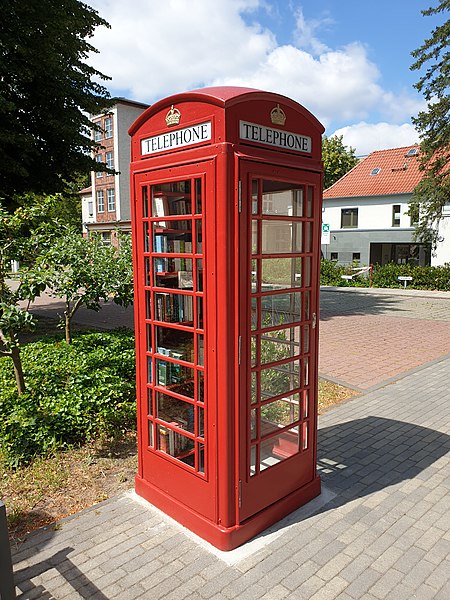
[84, 272]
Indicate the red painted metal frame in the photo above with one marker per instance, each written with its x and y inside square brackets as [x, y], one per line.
[218, 506]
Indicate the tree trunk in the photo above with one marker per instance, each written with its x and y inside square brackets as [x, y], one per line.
[18, 370]
[67, 328]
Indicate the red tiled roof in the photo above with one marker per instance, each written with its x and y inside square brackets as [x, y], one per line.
[399, 174]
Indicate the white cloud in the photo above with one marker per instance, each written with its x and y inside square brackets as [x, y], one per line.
[161, 47]
[367, 137]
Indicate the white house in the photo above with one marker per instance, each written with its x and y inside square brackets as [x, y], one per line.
[367, 213]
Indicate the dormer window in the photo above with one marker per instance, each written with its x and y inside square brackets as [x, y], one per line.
[412, 152]
[375, 171]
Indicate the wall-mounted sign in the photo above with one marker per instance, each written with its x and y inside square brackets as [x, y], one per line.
[177, 138]
[325, 238]
[287, 140]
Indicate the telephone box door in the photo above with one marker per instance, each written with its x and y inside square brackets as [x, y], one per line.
[278, 256]
[176, 451]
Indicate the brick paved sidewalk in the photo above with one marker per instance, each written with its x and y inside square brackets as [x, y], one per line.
[383, 532]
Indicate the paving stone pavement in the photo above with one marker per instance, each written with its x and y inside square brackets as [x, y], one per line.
[382, 530]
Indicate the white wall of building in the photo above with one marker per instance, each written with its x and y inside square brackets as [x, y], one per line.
[373, 213]
[442, 254]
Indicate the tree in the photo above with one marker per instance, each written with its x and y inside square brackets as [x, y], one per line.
[338, 159]
[84, 272]
[433, 126]
[47, 91]
[20, 237]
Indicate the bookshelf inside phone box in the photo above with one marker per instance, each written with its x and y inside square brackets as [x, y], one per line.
[226, 203]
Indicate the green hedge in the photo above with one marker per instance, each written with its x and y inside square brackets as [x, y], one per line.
[386, 276]
[75, 393]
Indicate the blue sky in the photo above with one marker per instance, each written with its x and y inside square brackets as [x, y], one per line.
[347, 61]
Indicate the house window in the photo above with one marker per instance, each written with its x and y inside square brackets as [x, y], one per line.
[109, 160]
[108, 128]
[98, 159]
[334, 256]
[98, 132]
[111, 200]
[349, 218]
[446, 210]
[396, 215]
[100, 201]
[106, 238]
[90, 208]
[356, 256]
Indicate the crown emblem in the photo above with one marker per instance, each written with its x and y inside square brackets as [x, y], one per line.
[173, 117]
[277, 115]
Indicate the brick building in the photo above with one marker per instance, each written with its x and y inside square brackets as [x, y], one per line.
[106, 203]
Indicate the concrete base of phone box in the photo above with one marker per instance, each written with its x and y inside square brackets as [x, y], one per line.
[227, 538]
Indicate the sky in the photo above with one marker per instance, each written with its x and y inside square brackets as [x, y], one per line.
[346, 61]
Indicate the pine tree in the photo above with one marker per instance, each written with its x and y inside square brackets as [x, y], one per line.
[433, 125]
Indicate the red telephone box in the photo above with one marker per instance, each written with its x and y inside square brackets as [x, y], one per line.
[226, 187]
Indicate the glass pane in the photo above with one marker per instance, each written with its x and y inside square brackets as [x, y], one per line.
[309, 202]
[171, 199]
[306, 273]
[199, 264]
[200, 387]
[145, 202]
[306, 372]
[172, 236]
[279, 309]
[149, 402]
[148, 305]
[254, 276]
[254, 313]
[200, 350]
[149, 337]
[199, 312]
[198, 237]
[254, 237]
[306, 339]
[174, 443]
[174, 411]
[279, 380]
[254, 388]
[201, 458]
[180, 379]
[254, 351]
[279, 273]
[201, 422]
[280, 412]
[305, 436]
[278, 448]
[146, 238]
[150, 434]
[308, 237]
[281, 236]
[198, 196]
[175, 343]
[252, 461]
[149, 369]
[280, 344]
[255, 196]
[305, 404]
[147, 270]
[173, 308]
[282, 199]
[306, 305]
[253, 421]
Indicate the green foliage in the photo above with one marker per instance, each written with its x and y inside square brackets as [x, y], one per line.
[84, 272]
[386, 276]
[337, 158]
[433, 192]
[47, 92]
[76, 393]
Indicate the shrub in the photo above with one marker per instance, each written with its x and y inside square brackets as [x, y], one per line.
[386, 276]
[75, 392]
